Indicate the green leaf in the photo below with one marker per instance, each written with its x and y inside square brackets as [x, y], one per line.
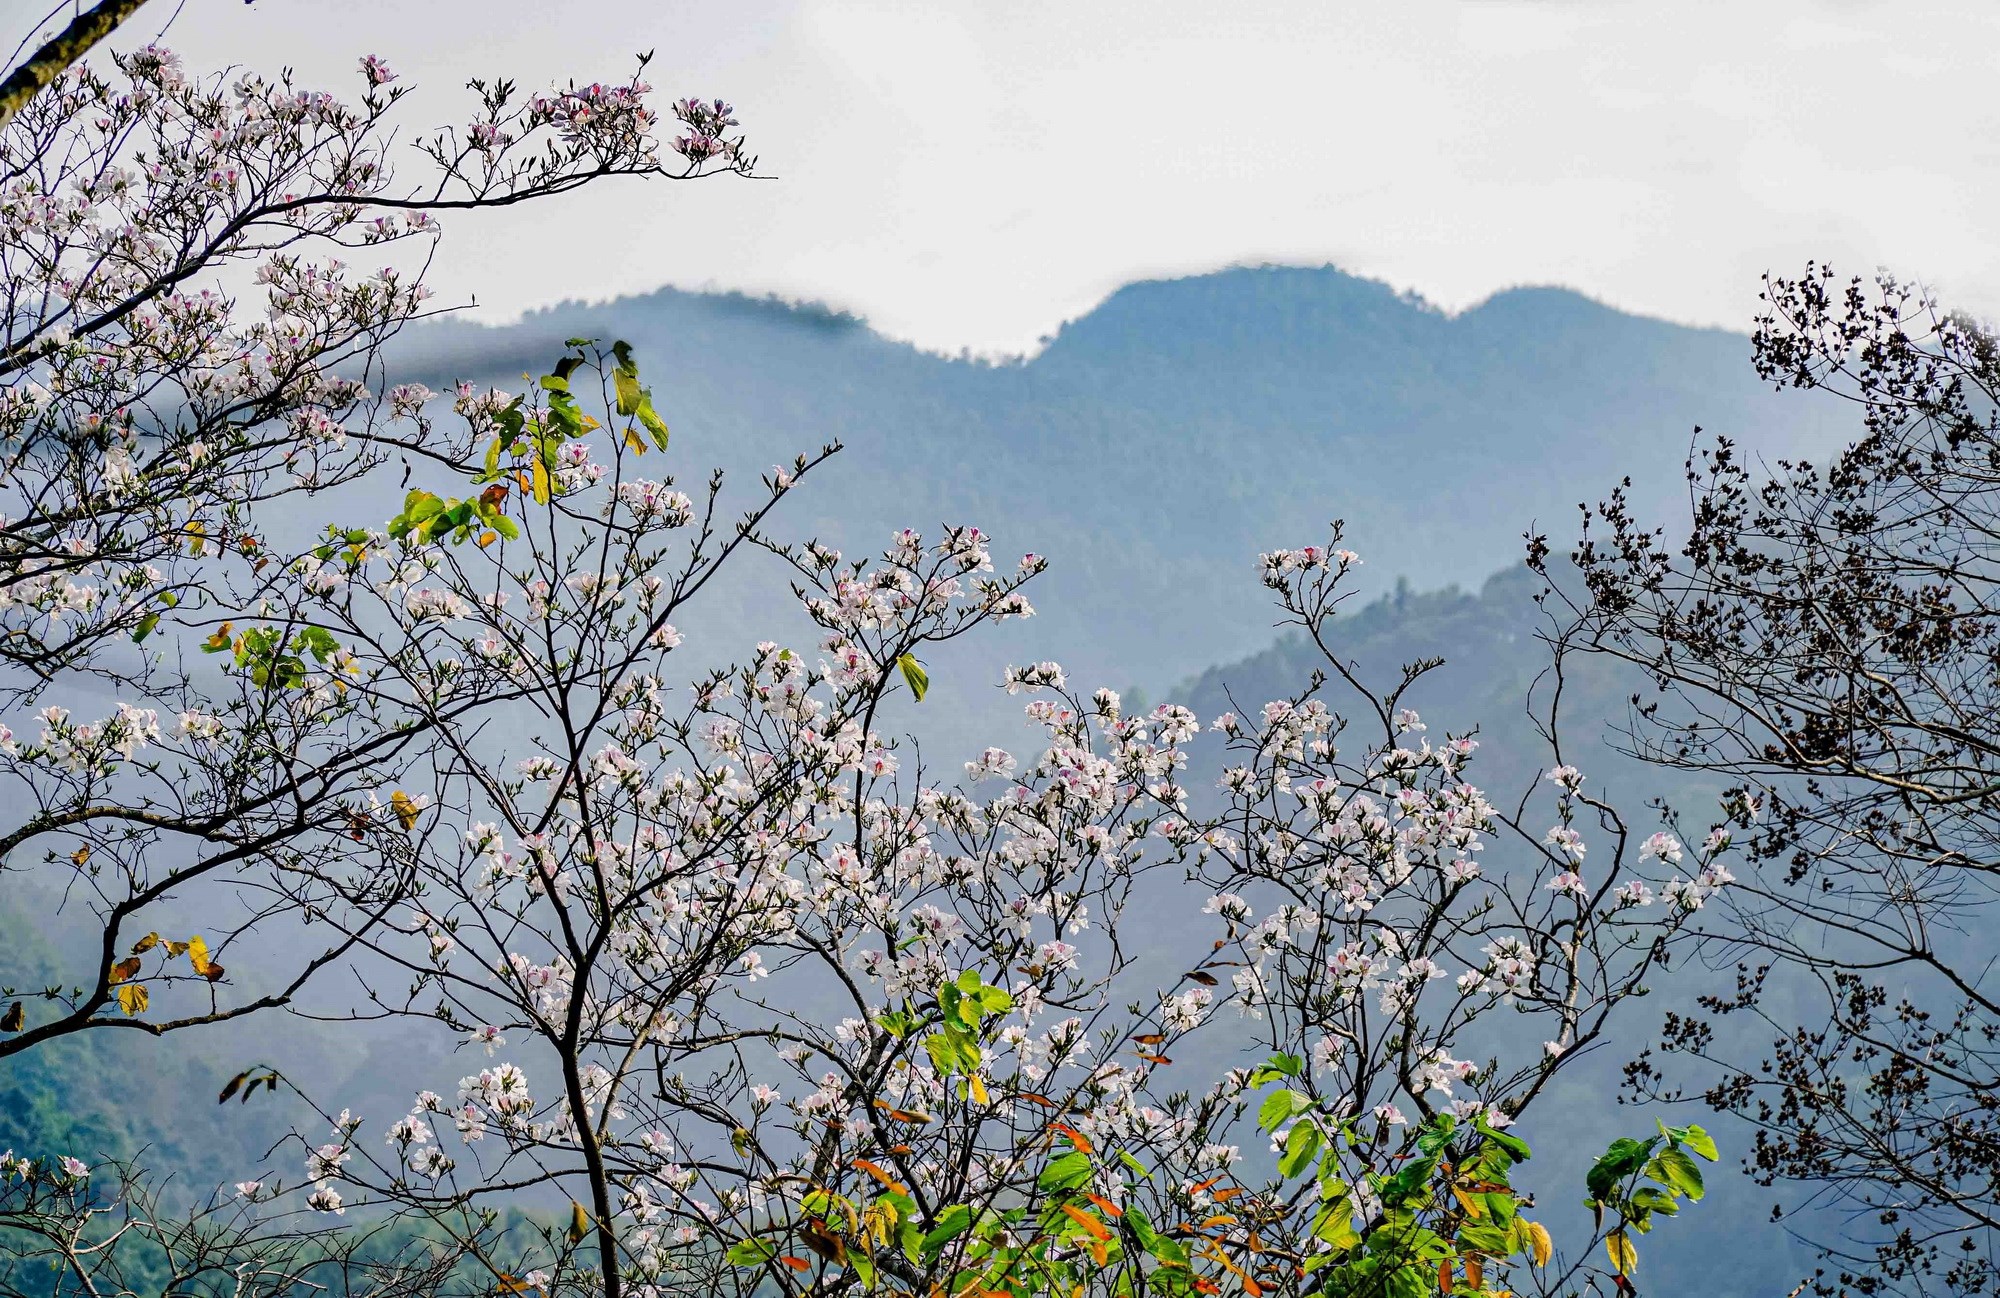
[1671, 1166]
[951, 1223]
[1070, 1172]
[1511, 1143]
[1620, 1159]
[635, 401]
[1335, 1224]
[751, 1252]
[1649, 1199]
[1279, 1106]
[1301, 1143]
[145, 628]
[913, 672]
[1275, 1067]
[1698, 1140]
[1141, 1228]
[653, 423]
[1168, 1250]
[1413, 1181]
[1486, 1237]
[1437, 1133]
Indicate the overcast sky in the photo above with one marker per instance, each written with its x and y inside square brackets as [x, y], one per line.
[971, 174]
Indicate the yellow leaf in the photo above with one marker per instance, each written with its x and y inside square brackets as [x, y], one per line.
[978, 1089]
[145, 944]
[487, 538]
[175, 950]
[540, 480]
[198, 954]
[405, 808]
[633, 444]
[1541, 1245]
[132, 998]
[1624, 1258]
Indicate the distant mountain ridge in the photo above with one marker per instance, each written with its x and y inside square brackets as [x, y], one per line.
[1163, 439]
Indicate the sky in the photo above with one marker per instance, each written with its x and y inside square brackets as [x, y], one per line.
[967, 175]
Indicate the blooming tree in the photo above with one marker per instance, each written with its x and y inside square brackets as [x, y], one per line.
[753, 996]
[186, 353]
[774, 1005]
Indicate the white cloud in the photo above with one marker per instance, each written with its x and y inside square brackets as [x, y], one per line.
[969, 174]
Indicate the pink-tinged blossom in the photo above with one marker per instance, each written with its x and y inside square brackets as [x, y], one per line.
[1661, 847]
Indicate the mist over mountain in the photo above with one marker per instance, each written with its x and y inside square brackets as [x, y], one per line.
[1157, 444]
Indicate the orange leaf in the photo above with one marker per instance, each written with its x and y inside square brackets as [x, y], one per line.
[1219, 1219]
[1110, 1208]
[1152, 1059]
[1042, 1100]
[1224, 1195]
[1076, 1137]
[124, 969]
[876, 1171]
[796, 1263]
[1198, 1188]
[1150, 1038]
[1097, 1229]
[1205, 979]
